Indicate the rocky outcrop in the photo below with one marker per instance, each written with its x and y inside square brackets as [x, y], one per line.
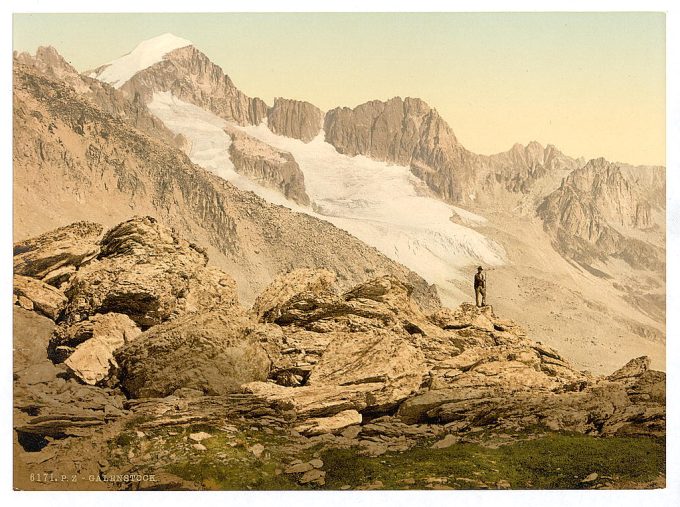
[374, 351]
[269, 303]
[267, 166]
[295, 118]
[332, 424]
[46, 402]
[123, 280]
[209, 352]
[594, 213]
[190, 76]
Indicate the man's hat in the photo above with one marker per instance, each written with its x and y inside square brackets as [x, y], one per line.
[479, 267]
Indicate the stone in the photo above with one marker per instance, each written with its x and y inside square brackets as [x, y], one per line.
[445, 442]
[299, 468]
[210, 352]
[199, 447]
[316, 463]
[92, 361]
[257, 450]
[35, 295]
[632, 369]
[373, 357]
[200, 436]
[268, 304]
[590, 477]
[351, 432]
[315, 475]
[55, 255]
[332, 424]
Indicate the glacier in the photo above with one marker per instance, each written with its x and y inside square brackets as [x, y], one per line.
[382, 204]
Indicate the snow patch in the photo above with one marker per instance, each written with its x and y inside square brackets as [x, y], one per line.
[468, 216]
[147, 53]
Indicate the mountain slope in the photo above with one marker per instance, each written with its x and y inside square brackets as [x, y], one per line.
[73, 161]
[596, 213]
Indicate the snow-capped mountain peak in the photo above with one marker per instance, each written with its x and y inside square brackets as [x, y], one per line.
[147, 53]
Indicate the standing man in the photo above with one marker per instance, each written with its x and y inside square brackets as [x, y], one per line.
[480, 287]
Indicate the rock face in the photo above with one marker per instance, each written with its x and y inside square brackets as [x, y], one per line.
[211, 352]
[269, 303]
[406, 132]
[123, 280]
[597, 213]
[267, 166]
[45, 402]
[73, 161]
[518, 169]
[190, 76]
[294, 118]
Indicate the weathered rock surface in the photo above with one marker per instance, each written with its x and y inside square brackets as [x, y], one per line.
[597, 213]
[149, 274]
[267, 166]
[54, 256]
[92, 359]
[332, 424]
[295, 118]
[372, 357]
[210, 352]
[268, 305]
[33, 294]
[46, 403]
[407, 132]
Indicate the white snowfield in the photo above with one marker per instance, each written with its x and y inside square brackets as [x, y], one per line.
[381, 204]
[147, 53]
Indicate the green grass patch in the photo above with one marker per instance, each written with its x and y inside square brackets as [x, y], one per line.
[555, 461]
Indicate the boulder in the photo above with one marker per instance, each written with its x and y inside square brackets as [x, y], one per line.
[211, 352]
[314, 401]
[382, 357]
[92, 360]
[332, 424]
[149, 274]
[55, 255]
[36, 295]
[269, 303]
